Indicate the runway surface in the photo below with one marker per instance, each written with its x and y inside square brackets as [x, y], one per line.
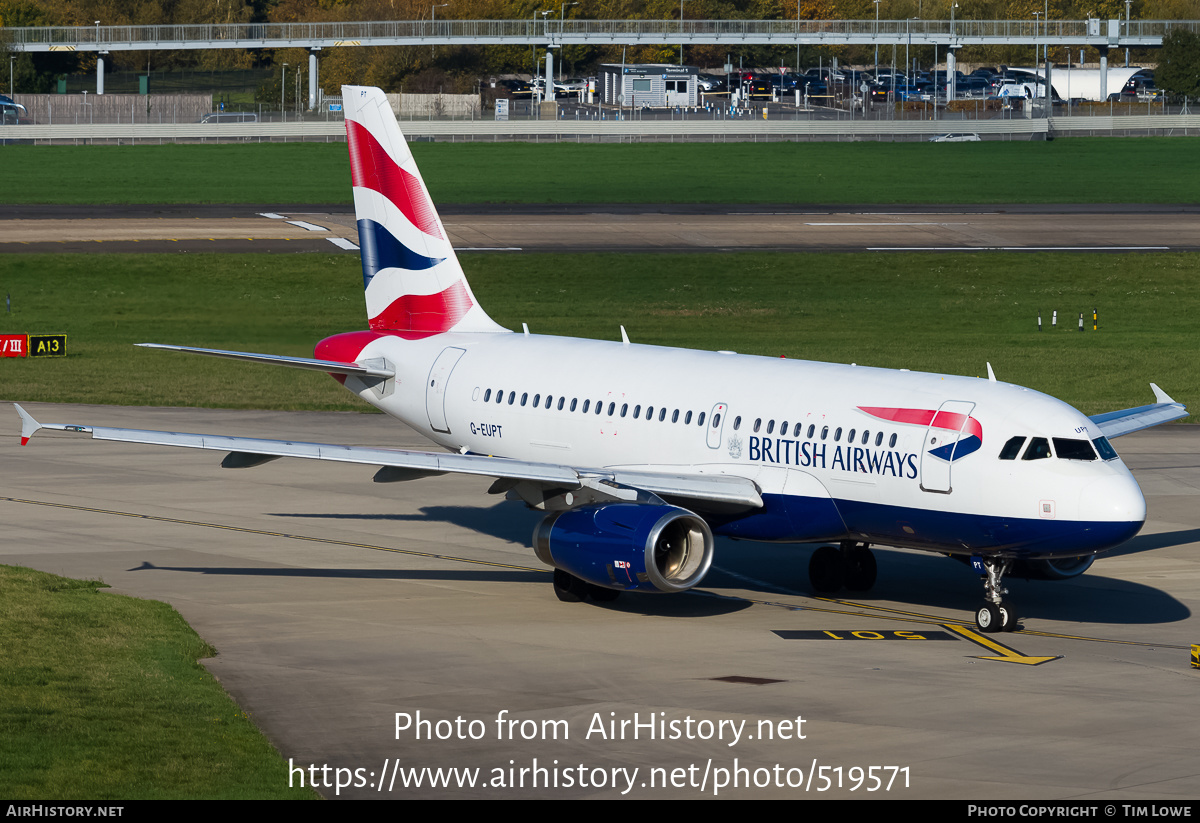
[335, 603]
[625, 228]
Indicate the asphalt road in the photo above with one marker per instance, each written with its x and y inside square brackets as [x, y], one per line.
[625, 228]
[336, 603]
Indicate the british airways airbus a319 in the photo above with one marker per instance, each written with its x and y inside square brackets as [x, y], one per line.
[643, 454]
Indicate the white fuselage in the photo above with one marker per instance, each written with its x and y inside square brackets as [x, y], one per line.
[808, 433]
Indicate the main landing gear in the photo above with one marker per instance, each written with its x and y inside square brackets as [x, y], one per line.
[851, 565]
[995, 615]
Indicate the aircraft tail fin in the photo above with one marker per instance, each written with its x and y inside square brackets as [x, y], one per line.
[414, 284]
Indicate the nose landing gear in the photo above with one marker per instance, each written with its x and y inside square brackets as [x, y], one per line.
[995, 615]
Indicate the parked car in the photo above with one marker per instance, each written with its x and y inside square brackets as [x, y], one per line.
[10, 114]
[221, 117]
[516, 88]
[955, 138]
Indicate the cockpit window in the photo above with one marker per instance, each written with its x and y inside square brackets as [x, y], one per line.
[1039, 449]
[1012, 448]
[1069, 449]
[1107, 452]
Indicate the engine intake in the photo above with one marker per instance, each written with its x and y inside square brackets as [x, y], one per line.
[627, 546]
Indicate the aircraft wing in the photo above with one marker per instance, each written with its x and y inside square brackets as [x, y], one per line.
[1117, 423]
[244, 452]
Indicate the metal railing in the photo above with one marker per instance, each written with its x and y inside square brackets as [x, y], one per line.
[517, 32]
[702, 126]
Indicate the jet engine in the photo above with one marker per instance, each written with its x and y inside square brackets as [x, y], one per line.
[1053, 568]
[627, 546]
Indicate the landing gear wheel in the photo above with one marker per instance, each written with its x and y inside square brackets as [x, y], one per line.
[860, 568]
[568, 588]
[601, 594]
[1008, 618]
[988, 619]
[827, 569]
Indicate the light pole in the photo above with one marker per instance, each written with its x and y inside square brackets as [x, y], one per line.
[908, 66]
[562, 19]
[1036, 40]
[951, 85]
[1128, 3]
[681, 32]
[433, 25]
[11, 60]
[282, 92]
[877, 2]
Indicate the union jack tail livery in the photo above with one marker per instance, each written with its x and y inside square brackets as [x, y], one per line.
[414, 284]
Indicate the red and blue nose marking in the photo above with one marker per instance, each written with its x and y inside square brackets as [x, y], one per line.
[969, 442]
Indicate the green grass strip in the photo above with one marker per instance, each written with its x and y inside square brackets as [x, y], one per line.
[1075, 170]
[102, 697]
[949, 313]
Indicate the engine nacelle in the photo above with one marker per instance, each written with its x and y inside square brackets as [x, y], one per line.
[627, 546]
[1053, 568]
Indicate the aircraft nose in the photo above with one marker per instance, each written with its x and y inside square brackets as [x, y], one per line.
[1116, 499]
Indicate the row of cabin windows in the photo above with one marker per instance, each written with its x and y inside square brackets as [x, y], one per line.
[864, 436]
[588, 407]
[548, 402]
[1065, 448]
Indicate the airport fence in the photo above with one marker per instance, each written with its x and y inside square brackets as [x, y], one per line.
[137, 124]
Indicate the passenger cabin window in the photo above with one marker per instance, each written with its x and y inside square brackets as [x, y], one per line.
[811, 428]
[892, 442]
[1107, 452]
[1039, 449]
[737, 423]
[700, 419]
[487, 396]
[757, 425]
[1070, 449]
[1012, 448]
[837, 435]
[687, 418]
[770, 427]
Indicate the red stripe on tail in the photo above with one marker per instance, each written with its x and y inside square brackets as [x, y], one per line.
[425, 313]
[371, 167]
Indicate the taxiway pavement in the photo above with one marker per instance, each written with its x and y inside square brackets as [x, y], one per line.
[335, 603]
[593, 228]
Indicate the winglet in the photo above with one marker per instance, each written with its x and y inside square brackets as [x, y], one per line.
[1160, 395]
[28, 424]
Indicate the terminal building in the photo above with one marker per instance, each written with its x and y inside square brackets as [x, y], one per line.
[656, 85]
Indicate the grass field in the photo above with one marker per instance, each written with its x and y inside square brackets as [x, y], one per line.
[949, 313]
[1076, 170]
[103, 697]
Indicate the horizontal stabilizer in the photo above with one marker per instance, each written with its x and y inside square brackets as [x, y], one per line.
[328, 366]
[1117, 423]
